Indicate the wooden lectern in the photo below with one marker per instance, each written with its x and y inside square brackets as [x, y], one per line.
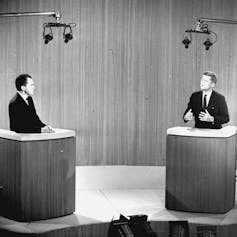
[200, 169]
[37, 172]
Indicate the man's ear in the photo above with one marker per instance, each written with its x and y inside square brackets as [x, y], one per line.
[23, 88]
[213, 84]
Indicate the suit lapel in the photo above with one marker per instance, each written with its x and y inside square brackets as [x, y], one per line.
[21, 100]
[200, 99]
[31, 103]
[212, 99]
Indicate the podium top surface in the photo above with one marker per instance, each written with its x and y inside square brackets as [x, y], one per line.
[227, 131]
[57, 134]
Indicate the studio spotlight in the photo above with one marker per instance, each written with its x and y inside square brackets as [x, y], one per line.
[47, 36]
[187, 39]
[186, 42]
[67, 36]
[67, 32]
[201, 28]
[207, 44]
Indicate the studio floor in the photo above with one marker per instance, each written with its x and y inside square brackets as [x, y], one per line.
[105, 192]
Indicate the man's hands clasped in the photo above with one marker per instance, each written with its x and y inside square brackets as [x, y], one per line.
[206, 117]
[203, 116]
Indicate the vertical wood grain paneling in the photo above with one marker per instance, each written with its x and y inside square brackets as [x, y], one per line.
[38, 178]
[124, 78]
[201, 178]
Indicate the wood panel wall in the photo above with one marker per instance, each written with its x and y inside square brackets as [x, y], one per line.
[124, 78]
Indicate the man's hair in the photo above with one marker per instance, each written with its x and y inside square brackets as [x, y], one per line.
[212, 75]
[21, 80]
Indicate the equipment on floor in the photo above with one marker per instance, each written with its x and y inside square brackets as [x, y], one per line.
[207, 231]
[178, 229]
[135, 226]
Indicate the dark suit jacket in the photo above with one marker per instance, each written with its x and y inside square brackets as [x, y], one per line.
[23, 117]
[217, 108]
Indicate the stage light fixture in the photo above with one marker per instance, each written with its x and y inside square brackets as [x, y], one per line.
[67, 36]
[207, 43]
[210, 40]
[67, 32]
[201, 28]
[47, 36]
[187, 40]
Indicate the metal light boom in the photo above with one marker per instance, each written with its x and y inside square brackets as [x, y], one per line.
[202, 27]
[55, 14]
[217, 20]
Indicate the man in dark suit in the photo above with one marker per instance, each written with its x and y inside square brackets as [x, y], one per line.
[22, 113]
[207, 107]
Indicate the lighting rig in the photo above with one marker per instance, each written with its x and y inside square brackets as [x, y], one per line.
[47, 27]
[48, 32]
[200, 28]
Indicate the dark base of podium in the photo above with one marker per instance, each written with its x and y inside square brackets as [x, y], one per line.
[99, 200]
[200, 174]
[38, 178]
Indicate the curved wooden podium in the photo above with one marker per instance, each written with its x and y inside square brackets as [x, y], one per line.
[37, 172]
[200, 169]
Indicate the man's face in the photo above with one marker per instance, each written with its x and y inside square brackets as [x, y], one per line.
[29, 87]
[206, 83]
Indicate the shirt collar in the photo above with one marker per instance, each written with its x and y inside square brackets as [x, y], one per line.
[208, 93]
[24, 96]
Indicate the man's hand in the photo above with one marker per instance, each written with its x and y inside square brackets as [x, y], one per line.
[206, 117]
[188, 116]
[47, 129]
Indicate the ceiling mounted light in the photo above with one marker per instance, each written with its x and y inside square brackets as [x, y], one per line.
[187, 40]
[210, 40]
[208, 44]
[67, 36]
[67, 32]
[200, 28]
[47, 36]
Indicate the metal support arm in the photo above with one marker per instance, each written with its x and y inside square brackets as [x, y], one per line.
[55, 14]
[216, 20]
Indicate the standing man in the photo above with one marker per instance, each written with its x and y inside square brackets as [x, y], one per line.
[207, 107]
[22, 113]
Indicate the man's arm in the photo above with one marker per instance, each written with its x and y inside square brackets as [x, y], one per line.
[19, 123]
[188, 114]
[219, 117]
[37, 122]
[223, 114]
[43, 128]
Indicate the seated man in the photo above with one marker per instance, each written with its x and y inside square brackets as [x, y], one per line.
[22, 113]
[207, 107]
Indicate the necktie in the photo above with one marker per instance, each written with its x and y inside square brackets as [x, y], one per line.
[30, 102]
[205, 102]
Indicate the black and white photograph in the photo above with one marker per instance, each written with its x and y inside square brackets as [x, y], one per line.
[118, 118]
